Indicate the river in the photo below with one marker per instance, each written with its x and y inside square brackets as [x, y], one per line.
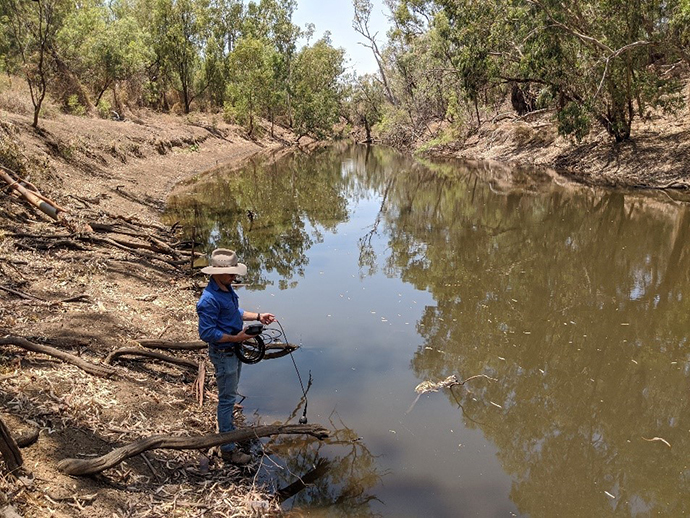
[563, 309]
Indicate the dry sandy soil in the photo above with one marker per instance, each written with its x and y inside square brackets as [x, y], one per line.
[105, 172]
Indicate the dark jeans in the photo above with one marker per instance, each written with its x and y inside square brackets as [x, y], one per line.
[228, 368]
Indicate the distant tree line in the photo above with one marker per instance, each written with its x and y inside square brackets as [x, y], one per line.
[99, 56]
[599, 63]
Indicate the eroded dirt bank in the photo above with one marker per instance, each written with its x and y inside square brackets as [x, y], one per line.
[118, 174]
[656, 157]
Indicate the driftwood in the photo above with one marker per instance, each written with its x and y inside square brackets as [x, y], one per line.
[434, 386]
[96, 465]
[9, 449]
[167, 344]
[135, 351]
[37, 200]
[31, 194]
[279, 350]
[102, 371]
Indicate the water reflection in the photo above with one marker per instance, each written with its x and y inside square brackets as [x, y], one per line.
[329, 484]
[264, 213]
[573, 300]
[575, 303]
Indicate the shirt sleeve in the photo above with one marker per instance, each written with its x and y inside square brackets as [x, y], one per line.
[209, 311]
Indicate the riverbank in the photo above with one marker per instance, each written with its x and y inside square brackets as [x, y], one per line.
[89, 297]
[655, 157]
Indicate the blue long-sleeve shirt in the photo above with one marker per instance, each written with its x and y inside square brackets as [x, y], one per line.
[219, 313]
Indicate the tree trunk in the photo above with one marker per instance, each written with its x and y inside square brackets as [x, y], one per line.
[9, 449]
[102, 371]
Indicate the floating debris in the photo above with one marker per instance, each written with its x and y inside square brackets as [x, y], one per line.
[430, 386]
[660, 439]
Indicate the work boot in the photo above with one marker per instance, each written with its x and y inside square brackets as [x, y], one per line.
[236, 457]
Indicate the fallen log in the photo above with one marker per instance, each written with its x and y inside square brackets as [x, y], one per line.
[96, 465]
[134, 351]
[102, 371]
[279, 350]
[168, 344]
[37, 201]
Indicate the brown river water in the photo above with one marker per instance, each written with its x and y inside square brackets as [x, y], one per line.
[567, 306]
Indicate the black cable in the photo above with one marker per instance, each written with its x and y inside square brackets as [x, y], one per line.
[303, 419]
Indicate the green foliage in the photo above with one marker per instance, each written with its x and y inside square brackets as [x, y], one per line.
[573, 120]
[104, 109]
[74, 107]
[316, 88]
[29, 33]
[591, 62]
[251, 75]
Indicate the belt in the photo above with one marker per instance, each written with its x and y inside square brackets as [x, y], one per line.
[228, 351]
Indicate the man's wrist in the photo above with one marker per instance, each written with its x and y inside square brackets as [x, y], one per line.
[258, 317]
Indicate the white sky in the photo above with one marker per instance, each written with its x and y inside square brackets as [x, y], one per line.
[336, 16]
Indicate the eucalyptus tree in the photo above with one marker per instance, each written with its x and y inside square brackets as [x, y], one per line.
[29, 34]
[104, 45]
[180, 31]
[360, 24]
[592, 61]
[225, 19]
[365, 103]
[251, 81]
[317, 89]
[271, 20]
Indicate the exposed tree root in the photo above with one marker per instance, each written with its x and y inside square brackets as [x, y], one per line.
[102, 371]
[133, 351]
[96, 465]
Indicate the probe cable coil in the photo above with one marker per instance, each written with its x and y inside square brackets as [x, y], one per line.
[253, 351]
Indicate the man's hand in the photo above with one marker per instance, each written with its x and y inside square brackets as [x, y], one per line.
[267, 318]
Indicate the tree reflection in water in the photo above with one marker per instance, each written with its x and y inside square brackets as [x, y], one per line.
[340, 472]
[271, 218]
[576, 302]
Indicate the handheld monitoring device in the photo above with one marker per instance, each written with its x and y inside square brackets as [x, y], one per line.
[252, 350]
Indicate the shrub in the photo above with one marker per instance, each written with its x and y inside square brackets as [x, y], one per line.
[73, 105]
[104, 109]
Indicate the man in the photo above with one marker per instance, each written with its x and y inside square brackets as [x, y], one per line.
[220, 326]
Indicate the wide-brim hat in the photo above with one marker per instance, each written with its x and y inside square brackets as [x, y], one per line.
[224, 261]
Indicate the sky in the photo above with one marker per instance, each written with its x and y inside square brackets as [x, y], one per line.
[336, 16]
